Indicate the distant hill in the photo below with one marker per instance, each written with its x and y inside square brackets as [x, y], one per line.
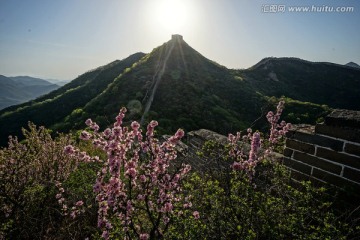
[58, 82]
[322, 83]
[56, 105]
[352, 64]
[31, 81]
[180, 88]
[16, 90]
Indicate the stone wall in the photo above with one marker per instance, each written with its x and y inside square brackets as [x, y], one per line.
[206, 163]
[328, 152]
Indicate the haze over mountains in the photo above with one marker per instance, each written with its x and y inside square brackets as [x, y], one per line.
[16, 90]
[180, 88]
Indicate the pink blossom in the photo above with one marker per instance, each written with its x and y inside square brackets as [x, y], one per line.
[107, 132]
[135, 125]
[131, 172]
[69, 149]
[105, 235]
[237, 166]
[153, 123]
[168, 207]
[95, 127]
[196, 214]
[248, 161]
[180, 133]
[255, 145]
[144, 236]
[88, 122]
[85, 135]
[117, 131]
[166, 220]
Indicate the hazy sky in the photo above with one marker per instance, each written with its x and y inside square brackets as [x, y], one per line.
[62, 39]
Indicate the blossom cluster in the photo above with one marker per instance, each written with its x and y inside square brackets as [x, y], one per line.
[278, 130]
[139, 183]
[247, 158]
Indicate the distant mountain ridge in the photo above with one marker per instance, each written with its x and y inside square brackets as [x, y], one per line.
[352, 64]
[181, 88]
[267, 59]
[16, 90]
[322, 83]
[58, 82]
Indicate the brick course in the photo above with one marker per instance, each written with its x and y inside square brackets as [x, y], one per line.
[352, 149]
[317, 162]
[297, 165]
[301, 146]
[309, 138]
[341, 158]
[338, 132]
[329, 152]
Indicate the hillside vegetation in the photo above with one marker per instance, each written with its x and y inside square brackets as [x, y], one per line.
[125, 182]
[182, 89]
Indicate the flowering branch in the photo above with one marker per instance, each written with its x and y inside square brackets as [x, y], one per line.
[248, 160]
[138, 185]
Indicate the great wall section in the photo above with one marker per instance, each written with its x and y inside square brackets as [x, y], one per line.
[326, 153]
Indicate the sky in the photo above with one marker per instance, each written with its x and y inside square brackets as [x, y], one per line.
[54, 39]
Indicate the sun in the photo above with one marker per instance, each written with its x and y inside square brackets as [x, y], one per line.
[172, 15]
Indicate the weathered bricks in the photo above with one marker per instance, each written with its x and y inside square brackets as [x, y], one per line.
[317, 162]
[349, 134]
[329, 178]
[301, 146]
[328, 152]
[297, 166]
[288, 152]
[352, 149]
[352, 174]
[343, 117]
[341, 158]
[334, 144]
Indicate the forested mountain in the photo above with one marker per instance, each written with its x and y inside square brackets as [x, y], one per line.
[322, 83]
[180, 88]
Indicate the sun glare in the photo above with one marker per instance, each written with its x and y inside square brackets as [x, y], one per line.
[172, 15]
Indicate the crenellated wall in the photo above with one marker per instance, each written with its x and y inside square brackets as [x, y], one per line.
[328, 152]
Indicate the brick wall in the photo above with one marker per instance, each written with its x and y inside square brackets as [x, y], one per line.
[328, 152]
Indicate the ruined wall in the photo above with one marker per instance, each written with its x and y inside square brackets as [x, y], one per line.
[204, 163]
[328, 152]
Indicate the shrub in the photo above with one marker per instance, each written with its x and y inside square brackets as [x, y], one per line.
[29, 171]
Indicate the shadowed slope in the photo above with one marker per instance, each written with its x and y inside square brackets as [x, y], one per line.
[55, 106]
[192, 92]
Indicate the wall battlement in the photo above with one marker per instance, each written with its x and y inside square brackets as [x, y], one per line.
[176, 37]
[328, 152]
